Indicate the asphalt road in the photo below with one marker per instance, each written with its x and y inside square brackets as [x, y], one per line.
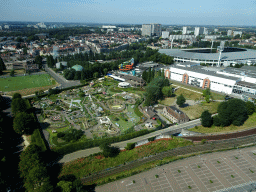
[61, 80]
[170, 130]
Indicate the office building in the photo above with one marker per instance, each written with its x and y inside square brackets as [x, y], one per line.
[165, 34]
[185, 30]
[237, 33]
[229, 33]
[205, 31]
[153, 29]
[198, 31]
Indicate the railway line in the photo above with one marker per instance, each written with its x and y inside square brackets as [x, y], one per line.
[193, 149]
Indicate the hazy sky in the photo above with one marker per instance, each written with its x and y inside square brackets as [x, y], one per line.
[185, 12]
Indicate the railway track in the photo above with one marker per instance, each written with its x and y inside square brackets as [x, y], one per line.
[207, 147]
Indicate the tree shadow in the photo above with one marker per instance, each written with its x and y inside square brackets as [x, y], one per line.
[44, 125]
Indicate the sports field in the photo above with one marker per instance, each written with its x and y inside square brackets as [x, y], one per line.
[25, 82]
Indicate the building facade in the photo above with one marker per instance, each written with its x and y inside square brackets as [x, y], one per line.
[198, 31]
[175, 115]
[185, 30]
[153, 29]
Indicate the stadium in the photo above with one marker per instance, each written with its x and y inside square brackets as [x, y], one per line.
[229, 55]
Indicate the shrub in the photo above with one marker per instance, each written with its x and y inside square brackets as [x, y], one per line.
[203, 141]
[156, 176]
[130, 146]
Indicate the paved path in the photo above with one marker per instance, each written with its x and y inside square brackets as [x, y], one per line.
[203, 173]
[87, 152]
[61, 80]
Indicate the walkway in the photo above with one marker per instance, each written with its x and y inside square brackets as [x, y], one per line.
[203, 173]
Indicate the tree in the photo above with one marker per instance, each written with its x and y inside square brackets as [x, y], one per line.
[18, 105]
[16, 95]
[2, 66]
[109, 151]
[38, 179]
[206, 119]
[180, 100]
[105, 71]
[24, 123]
[130, 146]
[39, 60]
[167, 91]
[206, 92]
[12, 73]
[233, 111]
[96, 75]
[66, 186]
[250, 107]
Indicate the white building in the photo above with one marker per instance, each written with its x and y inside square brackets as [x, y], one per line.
[205, 31]
[199, 31]
[237, 33]
[165, 34]
[153, 29]
[229, 81]
[229, 33]
[184, 31]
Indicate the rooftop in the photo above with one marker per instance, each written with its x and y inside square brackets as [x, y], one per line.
[204, 70]
[182, 53]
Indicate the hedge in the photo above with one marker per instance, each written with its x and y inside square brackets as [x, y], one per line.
[72, 147]
[36, 138]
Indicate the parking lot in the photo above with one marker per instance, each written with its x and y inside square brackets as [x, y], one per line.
[222, 171]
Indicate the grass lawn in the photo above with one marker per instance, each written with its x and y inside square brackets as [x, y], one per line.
[26, 84]
[216, 96]
[83, 166]
[189, 95]
[195, 111]
[249, 123]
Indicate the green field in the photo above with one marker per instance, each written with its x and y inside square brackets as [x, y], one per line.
[24, 82]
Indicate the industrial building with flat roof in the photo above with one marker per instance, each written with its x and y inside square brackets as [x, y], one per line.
[228, 80]
[204, 55]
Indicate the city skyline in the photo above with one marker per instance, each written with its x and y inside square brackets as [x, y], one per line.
[131, 12]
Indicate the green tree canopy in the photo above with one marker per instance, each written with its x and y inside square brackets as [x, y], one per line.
[250, 107]
[24, 123]
[16, 95]
[38, 179]
[2, 66]
[233, 111]
[206, 119]
[167, 91]
[180, 100]
[19, 105]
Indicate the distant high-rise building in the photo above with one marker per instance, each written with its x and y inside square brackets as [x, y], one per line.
[185, 30]
[165, 34]
[229, 33]
[205, 31]
[216, 30]
[198, 31]
[153, 29]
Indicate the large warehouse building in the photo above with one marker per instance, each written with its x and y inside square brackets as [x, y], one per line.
[228, 80]
[229, 55]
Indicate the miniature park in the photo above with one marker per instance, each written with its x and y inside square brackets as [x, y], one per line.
[99, 110]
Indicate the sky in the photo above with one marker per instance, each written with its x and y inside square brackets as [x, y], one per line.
[172, 12]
